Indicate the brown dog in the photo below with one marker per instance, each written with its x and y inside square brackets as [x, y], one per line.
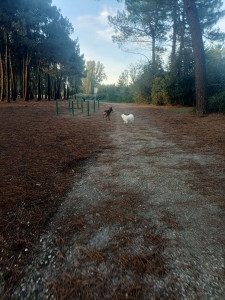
[107, 113]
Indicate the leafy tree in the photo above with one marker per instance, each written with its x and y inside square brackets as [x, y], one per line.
[143, 22]
[95, 74]
[201, 17]
[75, 70]
[215, 66]
[133, 73]
[142, 86]
[159, 94]
[209, 13]
[124, 78]
[116, 93]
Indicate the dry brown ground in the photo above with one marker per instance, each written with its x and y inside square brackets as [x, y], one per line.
[41, 153]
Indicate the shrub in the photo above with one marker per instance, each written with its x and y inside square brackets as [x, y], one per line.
[217, 103]
[142, 99]
[159, 93]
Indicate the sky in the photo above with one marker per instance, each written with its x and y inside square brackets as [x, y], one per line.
[89, 19]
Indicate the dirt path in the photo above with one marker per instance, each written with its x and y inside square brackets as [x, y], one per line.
[138, 223]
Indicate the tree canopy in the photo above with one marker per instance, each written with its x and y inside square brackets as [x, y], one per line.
[186, 25]
[37, 54]
[95, 74]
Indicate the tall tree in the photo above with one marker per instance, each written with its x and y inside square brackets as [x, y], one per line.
[143, 22]
[2, 77]
[209, 12]
[95, 74]
[201, 17]
[199, 57]
[35, 40]
[7, 68]
[124, 78]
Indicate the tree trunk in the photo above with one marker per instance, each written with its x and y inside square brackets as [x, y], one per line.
[153, 51]
[55, 93]
[7, 70]
[174, 40]
[182, 32]
[12, 78]
[59, 82]
[199, 57]
[64, 91]
[182, 24]
[39, 82]
[26, 78]
[49, 88]
[23, 77]
[67, 92]
[2, 78]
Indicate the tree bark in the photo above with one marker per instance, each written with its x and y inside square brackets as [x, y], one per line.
[12, 78]
[153, 51]
[7, 69]
[64, 91]
[23, 77]
[49, 86]
[59, 82]
[199, 57]
[55, 93]
[67, 92]
[26, 78]
[174, 39]
[2, 78]
[182, 32]
[39, 82]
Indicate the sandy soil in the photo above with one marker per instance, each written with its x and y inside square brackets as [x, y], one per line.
[143, 217]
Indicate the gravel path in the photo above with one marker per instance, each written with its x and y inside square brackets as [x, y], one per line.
[138, 224]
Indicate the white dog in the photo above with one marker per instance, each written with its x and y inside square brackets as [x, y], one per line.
[127, 118]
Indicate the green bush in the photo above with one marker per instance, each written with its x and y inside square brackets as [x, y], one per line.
[115, 93]
[217, 103]
[159, 93]
[142, 99]
[86, 96]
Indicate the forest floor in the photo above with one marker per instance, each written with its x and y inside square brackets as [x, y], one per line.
[96, 209]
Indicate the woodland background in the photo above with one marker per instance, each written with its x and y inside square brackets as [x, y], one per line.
[38, 58]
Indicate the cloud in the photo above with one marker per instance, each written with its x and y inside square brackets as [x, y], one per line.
[96, 26]
[105, 34]
[106, 11]
[85, 21]
[103, 17]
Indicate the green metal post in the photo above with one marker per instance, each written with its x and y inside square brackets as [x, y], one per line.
[98, 103]
[72, 108]
[81, 102]
[57, 108]
[94, 105]
[69, 105]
